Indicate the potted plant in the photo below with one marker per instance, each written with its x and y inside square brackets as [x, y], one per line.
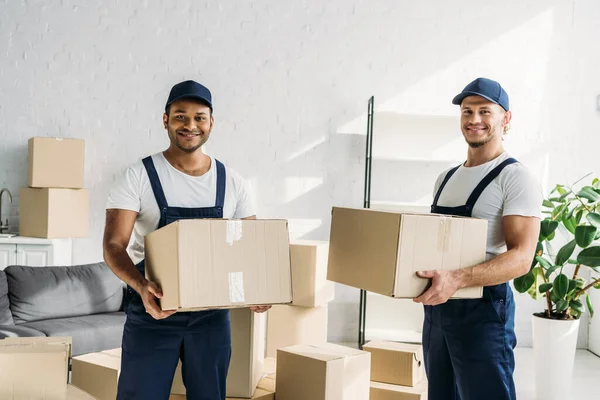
[571, 225]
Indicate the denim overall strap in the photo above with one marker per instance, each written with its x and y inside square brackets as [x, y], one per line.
[157, 189]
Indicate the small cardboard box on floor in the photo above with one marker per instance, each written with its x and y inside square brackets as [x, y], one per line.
[34, 368]
[381, 251]
[289, 325]
[323, 372]
[310, 286]
[54, 213]
[56, 163]
[385, 391]
[396, 363]
[218, 263]
[98, 373]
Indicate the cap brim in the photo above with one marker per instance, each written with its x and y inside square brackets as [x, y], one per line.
[190, 96]
[461, 96]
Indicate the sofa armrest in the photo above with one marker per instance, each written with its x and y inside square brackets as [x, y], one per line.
[18, 331]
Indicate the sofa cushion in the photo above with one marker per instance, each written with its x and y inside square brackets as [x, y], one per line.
[5, 314]
[18, 331]
[40, 293]
[90, 333]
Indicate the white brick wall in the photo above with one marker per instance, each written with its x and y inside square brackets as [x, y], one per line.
[287, 77]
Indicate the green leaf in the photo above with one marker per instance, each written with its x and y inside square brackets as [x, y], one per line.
[589, 194]
[543, 262]
[558, 212]
[539, 250]
[550, 270]
[564, 253]
[576, 305]
[560, 189]
[551, 237]
[570, 214]
[555, 299]
[544, 287]
[579, 215]
[573, 261]
[547, 228]
[590, 256]
[570, 224]
[562, 305]
[589, 306]
[594, 219]
[523, 283]
[534, 290]
[584, 235]
[561, 285]
[564, 195]
[573, 284]
[548, 203]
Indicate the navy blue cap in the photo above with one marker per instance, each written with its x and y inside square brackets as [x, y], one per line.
[485, 88]
[190, 89]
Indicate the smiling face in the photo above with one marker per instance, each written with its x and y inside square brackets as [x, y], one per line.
[482, 121]
[189, 124]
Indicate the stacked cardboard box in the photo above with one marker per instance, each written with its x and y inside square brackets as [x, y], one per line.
[381, 251]
[37, 368]
[325, 372]
[397, 371]
[305, 320]
[55, 205]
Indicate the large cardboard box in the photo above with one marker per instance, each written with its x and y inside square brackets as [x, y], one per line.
[381, 251]
[324, 372]
[74, 393]
[247, 354]
[218, 263]
[384, 391]
[310, 286]
[56, 163]
[54, 213]
[97, 373]
[264, 391]
[34, 368]
[289, 325]
[396, 363]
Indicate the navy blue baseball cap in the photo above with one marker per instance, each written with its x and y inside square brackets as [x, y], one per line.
[187, 90]
[485, 88]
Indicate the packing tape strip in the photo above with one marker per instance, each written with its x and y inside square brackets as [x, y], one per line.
[233, 231]
[236, 287]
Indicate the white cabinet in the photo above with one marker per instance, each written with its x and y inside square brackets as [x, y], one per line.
[35, 252]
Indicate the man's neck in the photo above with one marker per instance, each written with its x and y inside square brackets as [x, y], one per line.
[480, 155]
[195, 164]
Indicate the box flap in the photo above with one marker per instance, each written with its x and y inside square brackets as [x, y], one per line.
[162, 258]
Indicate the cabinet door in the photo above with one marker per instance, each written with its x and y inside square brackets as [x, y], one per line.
[34, 255]
[8, 255]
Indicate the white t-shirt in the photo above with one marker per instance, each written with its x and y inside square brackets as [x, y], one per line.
[132, 191]
[514, 192]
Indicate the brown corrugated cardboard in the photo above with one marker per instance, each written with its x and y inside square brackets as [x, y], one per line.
[97, 373]
[381, 251]
[217, 263]
[324, 372]
[264, 391]
[74, 393]
[54, 213]
[34, 368]
[396, 363]
[310, 286]
[384, 391]
[247, 354]
[56, 163]
[289, 325]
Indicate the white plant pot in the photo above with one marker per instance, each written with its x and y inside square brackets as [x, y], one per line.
[554, 345]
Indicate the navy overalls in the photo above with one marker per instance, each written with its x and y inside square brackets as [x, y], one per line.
[468, 343]
[152, 348]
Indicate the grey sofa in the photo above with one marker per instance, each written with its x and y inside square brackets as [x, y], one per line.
[82, 301]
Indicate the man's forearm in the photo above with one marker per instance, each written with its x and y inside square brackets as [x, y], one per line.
[120, 263]
[503, 268]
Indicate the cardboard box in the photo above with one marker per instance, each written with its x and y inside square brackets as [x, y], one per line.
[264, 391]
[310, 286]
[217, 263]
[56, 163]
[396, 363]
[54, 213]
[289, 325]
[34, 368]
[247, 354]
[74, 393]
[324, 372]
[384, 391]
[97, 373]
[381, 251]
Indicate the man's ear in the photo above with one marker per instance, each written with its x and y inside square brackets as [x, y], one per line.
[165, 120]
